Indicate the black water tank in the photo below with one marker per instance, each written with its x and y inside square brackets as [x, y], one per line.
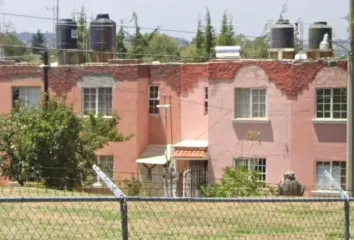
[103, 33]
[66, 34]
[282, 34]
[316, 32]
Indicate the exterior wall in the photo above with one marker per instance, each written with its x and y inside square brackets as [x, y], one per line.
[290, 141]
[143, 110]
[167, 77]
[311, 141]
[228, 139]
[194, 121]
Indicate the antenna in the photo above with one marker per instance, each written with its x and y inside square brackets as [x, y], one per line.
[284, 9]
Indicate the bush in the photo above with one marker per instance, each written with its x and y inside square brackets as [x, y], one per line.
[134, 186]
[236, 182]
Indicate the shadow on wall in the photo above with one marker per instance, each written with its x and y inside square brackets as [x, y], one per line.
[156, 130]
[331, 133]
[265, 130]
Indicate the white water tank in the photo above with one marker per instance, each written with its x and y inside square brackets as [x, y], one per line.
[230, 52]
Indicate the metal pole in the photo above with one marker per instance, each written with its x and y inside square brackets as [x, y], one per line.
[346, 220]
[124, 218]
[46, 77]
[350, 102]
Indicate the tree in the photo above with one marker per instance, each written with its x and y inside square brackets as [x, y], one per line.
[191, 53]
[38, 42]
[209, 37]
[52, 144]
[82, 29]
[138, 42]
[226, 35]
[121, 49]
[199, 38]
[11, 45]
[162, 47]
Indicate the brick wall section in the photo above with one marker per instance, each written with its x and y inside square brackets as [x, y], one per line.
[291, 78]
[63, 79]
[191, 75]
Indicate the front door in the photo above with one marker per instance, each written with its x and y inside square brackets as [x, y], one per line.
[198, 176]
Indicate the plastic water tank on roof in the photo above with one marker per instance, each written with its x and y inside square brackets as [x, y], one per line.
[103, 33]
[316, 33]
[282, 34]
[66, 34]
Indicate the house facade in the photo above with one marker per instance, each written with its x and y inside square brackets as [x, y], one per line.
[200, 118]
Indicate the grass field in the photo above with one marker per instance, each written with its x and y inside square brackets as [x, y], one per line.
[167, 220]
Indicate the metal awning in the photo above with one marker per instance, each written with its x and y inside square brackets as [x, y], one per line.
[155, 154]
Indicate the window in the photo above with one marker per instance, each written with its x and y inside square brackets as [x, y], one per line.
[250, 103]
[206, 96]
[106, 165]
[337, 169]
[31, 96]
[331, 103]
[154, 99]
[97, 101]
[254, 164]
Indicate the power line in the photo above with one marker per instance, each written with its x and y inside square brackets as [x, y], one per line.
[126, 26]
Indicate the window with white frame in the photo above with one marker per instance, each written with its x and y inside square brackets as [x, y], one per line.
[337, 169]
[331, 103]
[154, 99]
[31, 96]
[253, 164]
[106, 164]
[97, 101]
[250, 103]
[206, 97]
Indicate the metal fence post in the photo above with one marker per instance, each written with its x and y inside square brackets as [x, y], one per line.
[346, 220]
[124, 218]
[120, 196]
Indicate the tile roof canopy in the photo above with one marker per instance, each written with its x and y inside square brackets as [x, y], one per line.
[191, 152]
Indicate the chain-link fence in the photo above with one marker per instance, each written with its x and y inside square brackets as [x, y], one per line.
[87, 217]
[30, 212]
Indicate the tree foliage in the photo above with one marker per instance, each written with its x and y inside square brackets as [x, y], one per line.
[51, 143]
[162, 47]
[82, 29]
[226, 36]
[121, 49]
[12, 46]
[38, 42]
[209, 36]
[236, 182]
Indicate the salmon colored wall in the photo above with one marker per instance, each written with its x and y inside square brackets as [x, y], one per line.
[142, 108]
[228, 139]
[168, 79]
[313, 142]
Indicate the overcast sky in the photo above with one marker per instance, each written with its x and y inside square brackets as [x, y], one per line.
[249, 16]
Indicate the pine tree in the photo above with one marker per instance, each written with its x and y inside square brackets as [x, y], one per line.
[121, 49]
[209, 38]
[38, 42]
[137, 40]
[226, 34]
[231, 33]
[199, 38]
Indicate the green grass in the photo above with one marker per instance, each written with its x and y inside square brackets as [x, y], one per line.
[166, 220]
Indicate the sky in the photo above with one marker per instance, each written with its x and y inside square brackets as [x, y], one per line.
[249, 17]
